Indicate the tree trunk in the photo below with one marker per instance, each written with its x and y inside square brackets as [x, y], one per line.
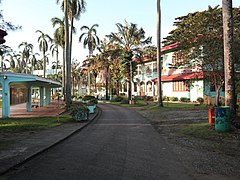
[217, 95]
[67, 57]
[44, 63]
[228, 57]
[117, 88]
[57, 59]
[70, 41]
[64, 77]
[107, 98]
[159, 64]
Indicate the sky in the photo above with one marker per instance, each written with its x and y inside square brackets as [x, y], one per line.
[35, 15]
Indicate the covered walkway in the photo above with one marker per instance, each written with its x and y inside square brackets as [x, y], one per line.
[18, 80]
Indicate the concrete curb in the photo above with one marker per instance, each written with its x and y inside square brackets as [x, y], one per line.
[47, 147]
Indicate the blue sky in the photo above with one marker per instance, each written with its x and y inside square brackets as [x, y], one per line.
[35, 15]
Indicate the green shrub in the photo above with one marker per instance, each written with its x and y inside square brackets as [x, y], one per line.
[200, 100]
[88, 97]
[173, 98]
[124, 101]
[93, 101]
[79, 112]
[117, 99]
[165, 98]
[122, 94]
[184, 99]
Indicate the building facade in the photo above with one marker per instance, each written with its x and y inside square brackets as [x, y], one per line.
[181, 82]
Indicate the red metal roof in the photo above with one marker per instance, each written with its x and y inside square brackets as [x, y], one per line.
[169, 47]
[180, 77]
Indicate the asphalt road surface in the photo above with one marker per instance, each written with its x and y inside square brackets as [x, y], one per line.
[121, 144]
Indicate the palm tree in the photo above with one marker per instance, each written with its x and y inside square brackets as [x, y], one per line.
[26, 52]
[67, 57]
[129, 37]
[55, 51]
[75, 74]
[159, 63]
[59, 39]
[75, 9]
[230, 99]
[91, 41]
[33, 61]
[12, 62]
[72, 9]
[43, 40]
[108, 52]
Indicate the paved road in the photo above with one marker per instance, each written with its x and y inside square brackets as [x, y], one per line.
[121, 144]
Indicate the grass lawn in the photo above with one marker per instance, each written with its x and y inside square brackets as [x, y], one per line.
[138, 103]
[149, 105]
[204, 131]
[176, 106]
[29, 124]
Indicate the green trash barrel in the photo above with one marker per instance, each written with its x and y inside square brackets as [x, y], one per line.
[222, 118]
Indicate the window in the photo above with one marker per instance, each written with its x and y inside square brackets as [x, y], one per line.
[148, 69]
[135, 86]
[155, 67]
[212, 87]
[177, 59]
[180, 86]
[125, 87]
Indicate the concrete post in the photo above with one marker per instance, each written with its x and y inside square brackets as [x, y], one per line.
[29, 103]
[41, 96]
[5, 98]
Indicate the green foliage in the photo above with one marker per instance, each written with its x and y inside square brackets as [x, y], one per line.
[184, 99]
[200, 100]
[124, 101]
[199, 37]
[117, 99]
[88, 97]
[173, 98]
[165, 98]
[79, 112]
[93, 101]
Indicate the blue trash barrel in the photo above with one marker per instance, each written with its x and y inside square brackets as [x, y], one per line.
[222, 118]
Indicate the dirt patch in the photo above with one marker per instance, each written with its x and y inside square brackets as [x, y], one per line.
[204, 157]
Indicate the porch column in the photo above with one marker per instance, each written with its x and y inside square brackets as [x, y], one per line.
[153, 89]
[5, 98]
[29, 103]
[48, 96]
[145, 88]
[41, 96]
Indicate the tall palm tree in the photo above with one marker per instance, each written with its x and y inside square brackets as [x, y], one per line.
[130, 38]
[55, 51]
[67, 56]
[12, 62]
[26, 52]
[159, 63]
[230, 99]
[59, 39]
[75, 9]
[33, 60]
[91, 41]
[43, 40]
